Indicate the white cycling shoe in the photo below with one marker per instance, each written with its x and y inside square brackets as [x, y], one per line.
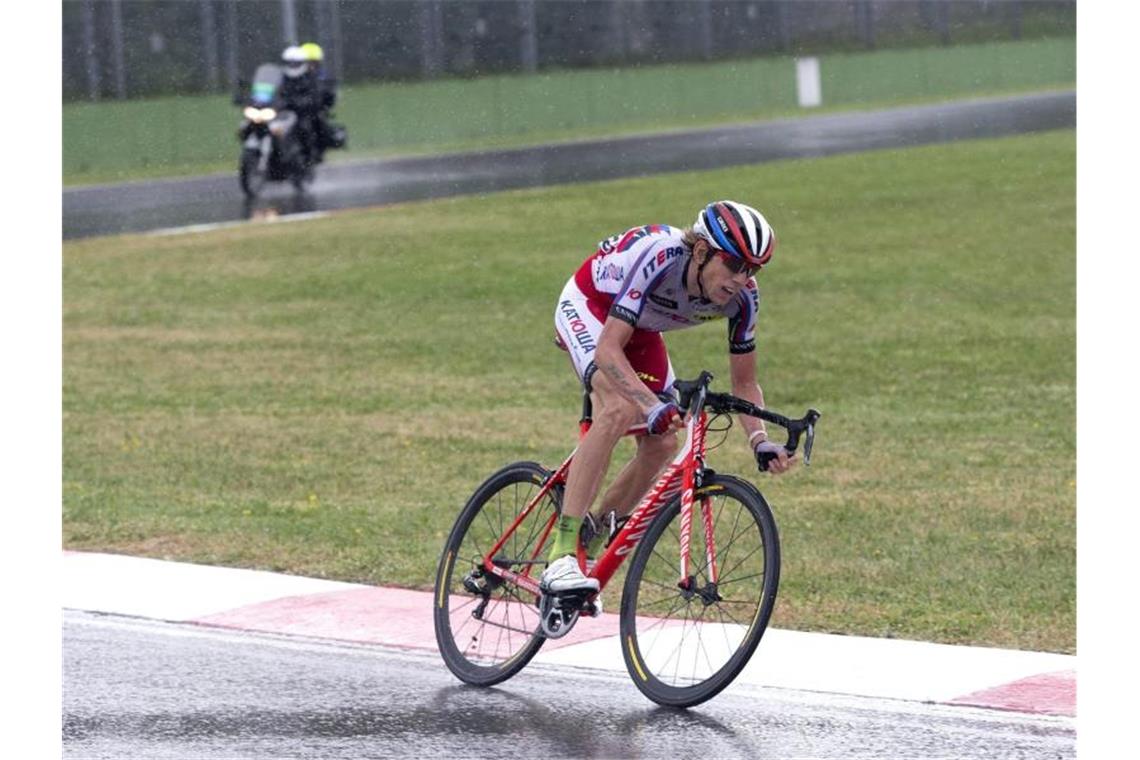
[563, 576]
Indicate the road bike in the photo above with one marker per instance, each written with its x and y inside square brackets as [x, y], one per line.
[696, 598]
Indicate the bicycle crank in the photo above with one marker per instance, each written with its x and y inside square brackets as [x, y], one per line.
[559, 612]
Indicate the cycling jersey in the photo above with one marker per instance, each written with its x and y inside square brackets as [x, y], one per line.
[639, 277]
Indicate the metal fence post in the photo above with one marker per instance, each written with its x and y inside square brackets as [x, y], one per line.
[289, 22]
[942, 19]
[320, 11]
[334, 40]
[783, 31]
[619, 37]
[704, 29]
[210, 43]
[431, 38]
[232, 43]
[1015, 19]
[90, 56]
[117, 49]
[528, 36]
[865, 22]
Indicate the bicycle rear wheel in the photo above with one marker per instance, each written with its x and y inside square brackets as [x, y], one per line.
[683, 647]
[487, 628]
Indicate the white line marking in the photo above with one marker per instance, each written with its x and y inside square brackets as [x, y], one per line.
[224, 225]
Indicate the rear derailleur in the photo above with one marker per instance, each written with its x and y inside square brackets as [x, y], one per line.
[480, 583]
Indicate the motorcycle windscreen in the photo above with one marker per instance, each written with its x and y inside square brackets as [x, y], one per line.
[266, 82]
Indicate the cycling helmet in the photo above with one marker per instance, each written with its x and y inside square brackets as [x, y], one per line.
[738, 230]
[294, 59]
[313, 52]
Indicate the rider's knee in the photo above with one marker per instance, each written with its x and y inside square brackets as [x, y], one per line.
[660, 446]
[616, 414]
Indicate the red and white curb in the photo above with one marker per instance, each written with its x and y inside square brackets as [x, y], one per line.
[1005, 679]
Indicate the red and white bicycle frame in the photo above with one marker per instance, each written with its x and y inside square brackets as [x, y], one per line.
[680, 475]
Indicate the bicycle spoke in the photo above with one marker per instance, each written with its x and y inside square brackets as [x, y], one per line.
[478, 650]
[691, 646]
[722, 611]
[726, 549]
[759, 548]
[665, 586]
[700, 649]
[722, 584]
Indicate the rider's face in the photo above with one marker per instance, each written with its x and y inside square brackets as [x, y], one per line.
[721, 283]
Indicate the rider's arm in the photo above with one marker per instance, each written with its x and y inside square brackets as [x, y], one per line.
[742, 367]
[611, 360]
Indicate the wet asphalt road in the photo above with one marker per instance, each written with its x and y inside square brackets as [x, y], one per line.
[141, 206]
[140, 689]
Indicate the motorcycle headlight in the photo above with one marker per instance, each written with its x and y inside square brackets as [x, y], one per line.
[259, 115]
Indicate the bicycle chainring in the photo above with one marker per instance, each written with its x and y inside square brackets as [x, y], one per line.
[558, 614]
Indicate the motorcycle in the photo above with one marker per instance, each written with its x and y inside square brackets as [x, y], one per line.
[271, 150]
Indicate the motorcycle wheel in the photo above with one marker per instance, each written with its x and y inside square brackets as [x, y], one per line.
[249, 173]
[302, 179]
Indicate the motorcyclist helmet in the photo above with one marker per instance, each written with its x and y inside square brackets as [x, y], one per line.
[313, 52]
[739, 230]
[293, 58]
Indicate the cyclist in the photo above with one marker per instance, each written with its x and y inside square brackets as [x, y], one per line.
[301, 92]
[610, 317]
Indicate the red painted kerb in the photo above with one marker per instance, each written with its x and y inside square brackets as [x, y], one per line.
[1047, 694]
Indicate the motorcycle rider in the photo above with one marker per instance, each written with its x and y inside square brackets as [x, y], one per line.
[301, 94]
[326, 99]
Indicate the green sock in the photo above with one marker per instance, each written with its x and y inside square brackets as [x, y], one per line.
[565, 537]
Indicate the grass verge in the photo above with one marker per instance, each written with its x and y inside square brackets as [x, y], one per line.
[321, 397]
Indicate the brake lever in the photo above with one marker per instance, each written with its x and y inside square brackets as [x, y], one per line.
[812, 417]
[805, 424]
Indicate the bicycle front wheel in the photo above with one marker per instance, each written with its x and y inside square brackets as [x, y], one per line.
[487, 628]
[683, 646]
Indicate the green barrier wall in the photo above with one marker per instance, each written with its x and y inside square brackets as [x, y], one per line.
[108, 141]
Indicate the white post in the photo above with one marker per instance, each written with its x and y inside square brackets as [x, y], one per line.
[807, 82]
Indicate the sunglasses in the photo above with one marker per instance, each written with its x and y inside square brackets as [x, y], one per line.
[736, 265]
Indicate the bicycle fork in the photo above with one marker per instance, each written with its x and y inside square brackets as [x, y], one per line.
[688, 582]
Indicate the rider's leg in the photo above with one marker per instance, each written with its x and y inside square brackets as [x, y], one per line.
[613, 416]
[647, 353]
[653, 454]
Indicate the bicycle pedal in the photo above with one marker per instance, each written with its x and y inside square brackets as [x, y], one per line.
[556, 618]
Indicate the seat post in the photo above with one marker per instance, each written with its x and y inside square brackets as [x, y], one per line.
[587, 413]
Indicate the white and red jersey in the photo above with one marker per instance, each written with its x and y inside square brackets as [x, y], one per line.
[639, 278]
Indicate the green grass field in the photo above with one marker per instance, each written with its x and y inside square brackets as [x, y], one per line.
[320, 397]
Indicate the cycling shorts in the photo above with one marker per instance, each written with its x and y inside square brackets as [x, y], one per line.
[578, 324]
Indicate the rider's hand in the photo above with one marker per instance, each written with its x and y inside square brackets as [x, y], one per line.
[664, 418]
[772, 457]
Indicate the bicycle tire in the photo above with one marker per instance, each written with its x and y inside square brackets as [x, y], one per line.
[487, 650]
[663, 628]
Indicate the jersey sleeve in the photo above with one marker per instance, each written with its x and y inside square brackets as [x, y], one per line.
[742, 325]
[652, 257]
